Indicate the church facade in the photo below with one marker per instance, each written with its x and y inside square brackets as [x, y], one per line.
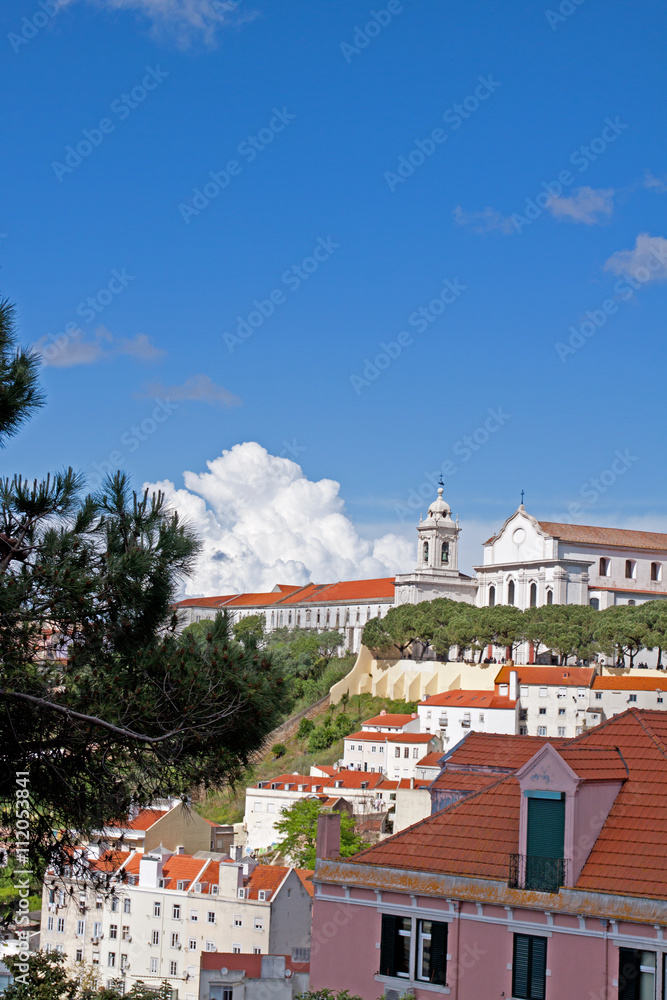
[528, 563]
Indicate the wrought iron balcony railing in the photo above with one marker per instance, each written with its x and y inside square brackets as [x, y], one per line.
[538, 874]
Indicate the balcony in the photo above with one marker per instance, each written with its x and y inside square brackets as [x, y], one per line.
[465, 723]
[537, 874]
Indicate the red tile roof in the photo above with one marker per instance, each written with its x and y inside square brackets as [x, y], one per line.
[253, 600]
[266, 877]
[389, 720]
[180, 868]
[431, 759]
[470, 699]
[250, 965]
[463, 781]
[305, 877]
[503, 753]
[354, 779]
[630, 682]
[349, 591]
[145, 819]
[561, 676]
[203, 602]
[407, 737]
[476, 835]
[617, 537]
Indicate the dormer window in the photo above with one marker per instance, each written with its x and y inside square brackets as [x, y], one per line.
[545, 841]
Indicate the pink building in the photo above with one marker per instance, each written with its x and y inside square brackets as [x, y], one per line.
[543, 876]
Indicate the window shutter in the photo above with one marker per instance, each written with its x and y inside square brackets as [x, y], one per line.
[520, 965]
[439, 953]
[546, 828]
[387, 945]
[538, 968]
[628, 974]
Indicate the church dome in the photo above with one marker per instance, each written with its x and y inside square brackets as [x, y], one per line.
[439, 507]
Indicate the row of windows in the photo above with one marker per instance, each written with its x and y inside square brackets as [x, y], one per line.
[319, 617]
[605, 566]
[416, 950]
[511, 595]
[99, 902]
[176, 913]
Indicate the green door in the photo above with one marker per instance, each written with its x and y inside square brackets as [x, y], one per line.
[545, 844]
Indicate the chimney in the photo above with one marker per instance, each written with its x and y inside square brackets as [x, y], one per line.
[514, 677]
[412, 783]
[328, 836]
[383, 712]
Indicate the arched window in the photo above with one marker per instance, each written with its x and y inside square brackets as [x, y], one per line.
[347, 617]
[444, 553]
[281, 617]
[273, 618]
[425, 551]
[510, 592]
[307, 617]
[605, 565]
[550, 596]
[632, 603]
[338, 618]
[289, 617]
[533, 595]
[492, 596]
[656, 572]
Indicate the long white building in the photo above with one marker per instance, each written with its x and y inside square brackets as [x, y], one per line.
[528, 563]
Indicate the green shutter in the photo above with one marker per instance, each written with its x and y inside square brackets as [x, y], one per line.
[438, 954]
[387, 945]
[628, 974]
[520, 966]
[538, 968]
[546, 828]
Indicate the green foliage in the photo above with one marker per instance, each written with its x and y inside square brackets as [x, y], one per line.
[278, 750]
[113, 707]
[325, 994]
[298, 830]
[48, 979]
[306, 727]
[250, 631]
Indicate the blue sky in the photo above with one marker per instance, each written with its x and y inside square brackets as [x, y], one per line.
[339, 98]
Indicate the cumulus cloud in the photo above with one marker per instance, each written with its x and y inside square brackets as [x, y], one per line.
[658, 184]
[186, 19]
[647, 261]
[485, 221]
[77, 348]
[587, 205]
[199, 388]
[262, 522]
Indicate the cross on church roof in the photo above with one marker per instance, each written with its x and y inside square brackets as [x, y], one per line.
[522, 496]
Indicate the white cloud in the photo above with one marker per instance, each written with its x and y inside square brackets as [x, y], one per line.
[647, 261]
[658, 184]
[587, 205]
[199, 388]
[262, 522]
[76, 348]
[187, 19]
[485, 221]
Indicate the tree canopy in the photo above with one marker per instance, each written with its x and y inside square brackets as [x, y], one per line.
[569, 630]
[298, 830]
[102, 703]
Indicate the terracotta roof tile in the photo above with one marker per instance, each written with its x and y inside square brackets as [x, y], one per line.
[595, 764]
[562, 676]
[145, 819]
[431, 759]
[204, 602]
[489, 751]
[472, 699]
[389, 719]
[617, 537]
[630, 682]
[356, 590]
[266, 877]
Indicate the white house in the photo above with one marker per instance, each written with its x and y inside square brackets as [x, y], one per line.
[453, 714]
[613, 695]
[391, 723]
[394, 754]
[554, 701]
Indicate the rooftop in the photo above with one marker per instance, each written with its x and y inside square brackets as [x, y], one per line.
[387, 719]
[616, 537]
[562, 676]
[630, 682]
[469, 699]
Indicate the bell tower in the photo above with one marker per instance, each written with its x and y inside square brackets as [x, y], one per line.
[438, 544]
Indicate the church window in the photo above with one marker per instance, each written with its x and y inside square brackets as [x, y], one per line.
[328, 617]
[368, 614]
[444, 555]
[533, 595]
[273, 618]
[318, 616]
[632, 603]
[630, 569]
[550, 596]
[425, 550]
[605, 567]
[492, 596]
[510, 592]
[347, 617]
[656, 572]
[281, 617]
[358, 614]
[338, 618]
[289, 617]
[307, 617]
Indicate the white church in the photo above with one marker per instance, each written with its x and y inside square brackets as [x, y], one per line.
[526, 564]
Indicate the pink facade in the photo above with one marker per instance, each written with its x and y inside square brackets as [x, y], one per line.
[583, 952]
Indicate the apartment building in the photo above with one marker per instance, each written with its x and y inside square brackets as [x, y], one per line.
[612, 695]
[546, 880]
[453, 714]
[394, 754]
[166, 909]
[386, 722]
[169, 823]
[226, 976]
